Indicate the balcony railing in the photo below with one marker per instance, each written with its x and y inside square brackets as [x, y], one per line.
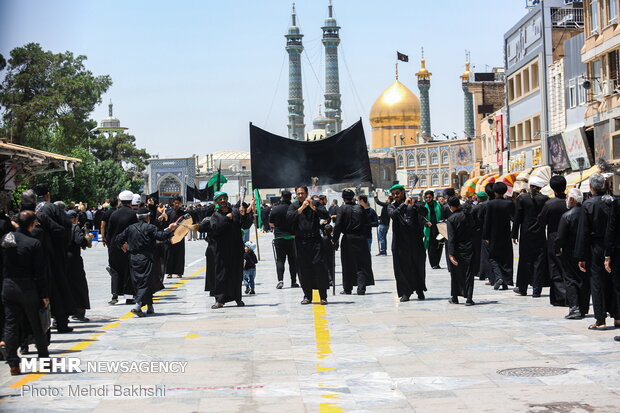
[567, 18]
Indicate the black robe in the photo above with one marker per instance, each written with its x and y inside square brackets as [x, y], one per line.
[159, 252]
[175, 253]
[54, 236]
[532, 268]
[576, 282]
[549, 219]
[140, 238]
[225, 235]
[484, 269]
[352, 222]
[460, 244]
[309, 252]
[612, 248]
[77, 276]
[496, 231]
[474, 268]
[590, 248]
[204, 227]
[120, 219]
[408, 252]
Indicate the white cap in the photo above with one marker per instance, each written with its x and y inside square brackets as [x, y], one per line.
[136, 200]
[537, 181]
[125, 196]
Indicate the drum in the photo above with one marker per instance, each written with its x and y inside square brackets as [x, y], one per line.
[185, 224]
[442, 227]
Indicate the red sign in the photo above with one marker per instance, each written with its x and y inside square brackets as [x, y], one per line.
[499, 139]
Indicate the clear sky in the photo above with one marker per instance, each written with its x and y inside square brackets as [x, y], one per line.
[189, 76]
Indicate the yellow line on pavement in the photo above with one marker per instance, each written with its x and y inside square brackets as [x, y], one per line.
[323, 350]
[85, 343]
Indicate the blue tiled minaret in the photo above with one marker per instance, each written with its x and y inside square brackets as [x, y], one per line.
[424, 84]
[294, 47]
[470, 128]
[331, 40]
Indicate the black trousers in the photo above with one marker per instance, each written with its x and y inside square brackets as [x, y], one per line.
[532, 268]
[603, 284]
[461, 277]
[435, 249]
[120, 277]
[285, 249]
[501, 268]
[21, 300]
[577, 283]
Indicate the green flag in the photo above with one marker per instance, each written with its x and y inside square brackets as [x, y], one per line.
[214, 180]
[259, 215]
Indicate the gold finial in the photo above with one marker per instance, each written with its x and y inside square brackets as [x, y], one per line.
[423, 73]
[467, 74]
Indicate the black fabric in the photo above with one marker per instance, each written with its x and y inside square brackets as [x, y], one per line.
[77, 276]
[279, 162]
[228, 252]
[549, 219]
[250, 260]
[282, 227]
[384, 217]
[496, 232]
[532, 269]
[118, 260]
[577, 283]
[460, 246]
[175, 253]
[205, 227]
[351, 222]
[284, 249]
[408, 253]
[612, 235]
[154, 196]
[140, 238]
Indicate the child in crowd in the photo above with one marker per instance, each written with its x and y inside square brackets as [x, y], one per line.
[249, 267]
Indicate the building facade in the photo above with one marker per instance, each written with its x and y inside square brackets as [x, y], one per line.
[530, 46]
[601, 55]
[170, 177]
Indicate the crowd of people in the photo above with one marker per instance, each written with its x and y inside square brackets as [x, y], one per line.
[569, 243]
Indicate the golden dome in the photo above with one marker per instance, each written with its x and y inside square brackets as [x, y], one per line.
[397, 106]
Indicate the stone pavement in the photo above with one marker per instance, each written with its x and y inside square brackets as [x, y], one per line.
[358, 354]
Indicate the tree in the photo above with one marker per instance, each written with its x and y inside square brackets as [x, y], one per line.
[43, 90]
[121, 148]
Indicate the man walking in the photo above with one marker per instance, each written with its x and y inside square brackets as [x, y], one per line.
[283, 240]
[496, 234]
[459, 248]
[373, 219]
[384, 223]
[433, 216]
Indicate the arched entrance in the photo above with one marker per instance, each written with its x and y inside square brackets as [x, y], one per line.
[169, 187]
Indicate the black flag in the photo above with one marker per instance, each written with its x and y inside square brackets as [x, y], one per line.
[402, 57]
[279, 162]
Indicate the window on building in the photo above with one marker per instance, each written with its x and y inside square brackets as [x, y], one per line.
[527, 132]
[410, 160]
[386, 174]
[596, 77]
[410, 181]
[513, 136]
[518, 85]
[435, 180]
[401, 161]
[520, 134]
[581, 92]
[423, 182]
[526, 80]
[422, 159]
[511, 89]
[446, 179]
[613, 66]
[612, 11]
[534, 75]
[594, 17]
[572, 94]
[434, 158]
[536, 128]
[444, 157]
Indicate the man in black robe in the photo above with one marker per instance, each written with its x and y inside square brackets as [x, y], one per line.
[496, 234]
[612, 251]
[304, 217]
[408, 252]
[351, 222]
[175, 253]
[54, 236]
[433, 216]
[590, 251]
[225, 229]
[204, 227]
[138, 240]
[532, 268]
[120, 219]
[577, 283]
[549, 219]
[158, 217]
[283, 240]
[77, 275]
[105, 218]
[460, 250]
[481, 213]
[477, 214]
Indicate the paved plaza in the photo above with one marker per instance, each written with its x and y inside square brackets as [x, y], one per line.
[358, 354]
